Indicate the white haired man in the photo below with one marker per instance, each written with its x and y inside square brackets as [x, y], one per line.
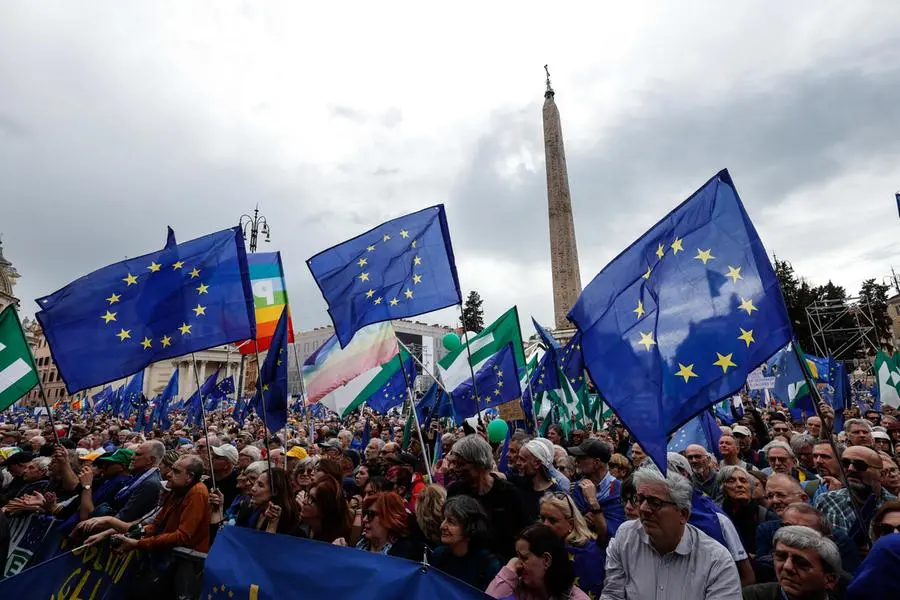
[660, 555]
[807, 566]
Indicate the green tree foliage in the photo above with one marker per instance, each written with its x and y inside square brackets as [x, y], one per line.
[873, 297]
[472, 313]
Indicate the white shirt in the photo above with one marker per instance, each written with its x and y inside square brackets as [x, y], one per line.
[700, 568]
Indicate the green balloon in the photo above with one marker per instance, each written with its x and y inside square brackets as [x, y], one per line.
[497, 430]
[451, 342]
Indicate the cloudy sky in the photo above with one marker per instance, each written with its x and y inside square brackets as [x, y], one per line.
[117, 119]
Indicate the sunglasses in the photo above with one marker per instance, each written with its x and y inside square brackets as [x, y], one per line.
[860, 466]
[885, 529]
[560, 496]
[369, 514]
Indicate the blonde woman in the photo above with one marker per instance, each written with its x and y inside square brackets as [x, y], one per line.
[558, 512]
[430, 513]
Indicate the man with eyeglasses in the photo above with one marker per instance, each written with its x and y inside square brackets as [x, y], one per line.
[661, 555]
[863, 469]
[807, 566]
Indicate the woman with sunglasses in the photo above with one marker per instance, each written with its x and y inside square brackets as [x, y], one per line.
[302, 477]
[385, 528]
[886, 520]
[463, 535]
[541, 569]
[324, 514]
[890, 474]
[558, 512]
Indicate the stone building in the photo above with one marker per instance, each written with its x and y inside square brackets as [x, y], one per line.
[8, 276]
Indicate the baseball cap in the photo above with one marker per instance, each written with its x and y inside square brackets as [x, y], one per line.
[741, 430]
[226, 451]
[298, 452]
[333, 443]
[592, 448]
[880, 435]
[122, 456]
[19, 458]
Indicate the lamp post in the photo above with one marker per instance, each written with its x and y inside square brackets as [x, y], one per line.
[256, 224]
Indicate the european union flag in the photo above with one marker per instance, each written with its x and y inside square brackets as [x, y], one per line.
[162, 407]
[701, 430]
[497, 382]
[571, 361]
[434, 404]
[103, 399]
[271, 399]
[659, 343]
[400, 269]
[220, 392]
[245, 563]
[194, 404]
[394, 391]
[123, 317]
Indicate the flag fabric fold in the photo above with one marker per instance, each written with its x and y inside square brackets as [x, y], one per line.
[496, 382]
[662, 339]
[402, 268]
[121, 318]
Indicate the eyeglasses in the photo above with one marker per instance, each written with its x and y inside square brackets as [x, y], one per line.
[885, 529]
[800, 563]
[655, 504]
[369, 514]
[860, 466]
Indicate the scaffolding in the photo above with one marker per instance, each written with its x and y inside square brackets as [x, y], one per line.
[842, 327]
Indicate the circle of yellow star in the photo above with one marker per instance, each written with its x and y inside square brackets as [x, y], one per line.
[734, 273]
[362, 262]
[265, 387]
[200, 310]
[154, 266]
[371, 248]
[647, 274]
[724, 361]
[704, 255]
[404, 233]
[178, 265]
[414, 243]
[202, 288]
[146, 343]
[130, 279]
[639, 311]
[185, 329]
[166, 341]
[109, 316]
[113, 298]
[370, 293]
[363, 276]
[408, 293]
[686, 371]
[394, 302]
[746, 336]
[417, 260]
[386, 237]
[124, 334]
[747, 305]
[378, 300]
[676, 246]
[647, 340]
[417, 279]
[660, 251]
[195, 272]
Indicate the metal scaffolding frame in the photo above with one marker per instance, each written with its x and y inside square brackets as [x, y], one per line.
[835, 338]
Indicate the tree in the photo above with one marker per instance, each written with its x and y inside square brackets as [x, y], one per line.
[797, 296]
[873, 298]
[472, 313]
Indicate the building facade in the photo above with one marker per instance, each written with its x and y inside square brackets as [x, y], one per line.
[8, 277]
[893, 309]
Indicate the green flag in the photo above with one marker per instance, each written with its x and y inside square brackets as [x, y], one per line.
[17, 372]
[888, 376]
[454, 367]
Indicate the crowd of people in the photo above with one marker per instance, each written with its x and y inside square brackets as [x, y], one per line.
[781, 509]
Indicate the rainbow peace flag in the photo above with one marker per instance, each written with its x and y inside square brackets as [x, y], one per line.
[269, 298]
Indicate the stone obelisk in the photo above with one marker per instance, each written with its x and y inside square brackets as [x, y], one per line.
[563, 249]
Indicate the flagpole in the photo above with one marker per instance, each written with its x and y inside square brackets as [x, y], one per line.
[412, 407]
[212, 474]
[424, 368]
[814, 391]
[302, 390]
[471, 367]
[262, 403]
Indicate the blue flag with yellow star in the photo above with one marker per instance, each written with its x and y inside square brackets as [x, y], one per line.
[679, 319]
[162, 408]
[394, 391]
[271, 399]
[496, 382]
[400, 269]
[194, 404]
[121, 318]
